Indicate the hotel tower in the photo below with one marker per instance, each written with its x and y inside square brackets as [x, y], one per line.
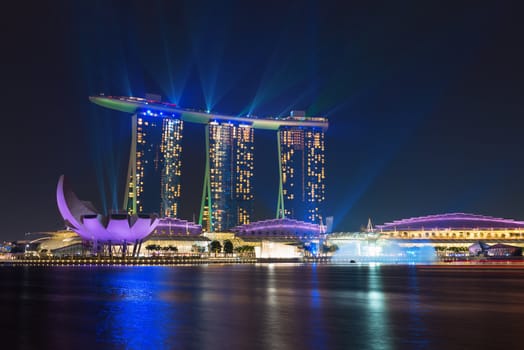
[155, 164]
[228, 186]
[302, 170]
[154, 172]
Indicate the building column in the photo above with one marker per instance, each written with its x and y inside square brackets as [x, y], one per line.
[206, 190]
[280, 201]
[130, 192]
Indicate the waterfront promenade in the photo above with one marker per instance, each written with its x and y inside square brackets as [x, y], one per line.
[128, 261]
[195, 260]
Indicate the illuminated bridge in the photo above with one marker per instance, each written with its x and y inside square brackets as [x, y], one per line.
[155, 166]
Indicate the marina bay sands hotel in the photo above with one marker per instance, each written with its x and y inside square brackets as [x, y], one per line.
[155, 164]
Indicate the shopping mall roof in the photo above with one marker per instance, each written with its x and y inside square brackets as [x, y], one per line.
[274, 228]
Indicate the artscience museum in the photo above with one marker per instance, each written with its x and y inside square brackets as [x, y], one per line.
[105, 232]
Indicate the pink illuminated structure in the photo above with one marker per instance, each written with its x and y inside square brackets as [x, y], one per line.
[279, 229]
[83, 219]
[451, 221]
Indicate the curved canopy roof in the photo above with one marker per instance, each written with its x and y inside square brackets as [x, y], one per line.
[134, 105]
[278, 227]
[453, 221]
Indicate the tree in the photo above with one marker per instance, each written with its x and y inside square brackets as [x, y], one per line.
[310, 249]
[324, 249]
[333, 248]
[215, 247]
[245, 250]
[151, 247]
[195, 248]
[228, 247]
[17, 249]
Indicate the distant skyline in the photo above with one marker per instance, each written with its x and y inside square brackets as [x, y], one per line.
[425, 101]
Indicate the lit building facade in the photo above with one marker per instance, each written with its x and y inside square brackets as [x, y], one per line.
[228, 185]
[448, 235]
[453, 227]
[227, 201]
[302, 167]
[155, 164]
[243, 175]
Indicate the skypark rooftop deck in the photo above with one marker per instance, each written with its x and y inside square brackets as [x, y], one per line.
[135, 105]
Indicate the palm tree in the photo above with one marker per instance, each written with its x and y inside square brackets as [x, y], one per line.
[324, 249]
[333, 248]
[151, 247]
[165, 249]
[173, 249]
[249, 250]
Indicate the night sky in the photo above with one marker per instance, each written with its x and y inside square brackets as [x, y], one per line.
[425, 101]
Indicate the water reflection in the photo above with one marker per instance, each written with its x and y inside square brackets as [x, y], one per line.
[416, 323]
[261, 307]
[272, 335]
[378, 250]
[135, 315]
[317, 322]
[315, 291]
[377, 311]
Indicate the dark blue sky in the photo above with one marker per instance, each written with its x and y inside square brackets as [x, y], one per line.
[425, 100]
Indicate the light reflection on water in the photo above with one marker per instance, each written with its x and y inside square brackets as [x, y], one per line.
[265, 306]
[418, 336]
[137, 315]
[377, 317]
[373, 250]
[271, 333]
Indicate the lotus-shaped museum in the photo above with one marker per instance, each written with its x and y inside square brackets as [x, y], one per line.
[84, 219]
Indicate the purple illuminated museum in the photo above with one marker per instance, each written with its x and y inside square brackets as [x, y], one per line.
[81, 217]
